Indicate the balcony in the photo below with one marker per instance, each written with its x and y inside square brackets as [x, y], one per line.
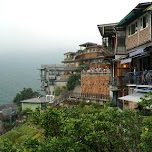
[132, 78]
[69, 59]
[139, 78]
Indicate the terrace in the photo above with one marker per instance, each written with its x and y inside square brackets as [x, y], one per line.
[139, 78]
[134, 79]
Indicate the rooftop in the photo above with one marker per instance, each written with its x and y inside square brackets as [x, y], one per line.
[140, 9]
[35, 100]
[88, 44]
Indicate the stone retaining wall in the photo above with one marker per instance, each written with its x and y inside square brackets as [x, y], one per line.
[95, 84]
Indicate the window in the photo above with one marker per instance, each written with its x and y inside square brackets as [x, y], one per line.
[144, 22]
[133, 28]
[129, 30]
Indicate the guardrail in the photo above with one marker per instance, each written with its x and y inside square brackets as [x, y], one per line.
[90, 96]
[137, 78]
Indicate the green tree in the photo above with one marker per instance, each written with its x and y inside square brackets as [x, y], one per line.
[58, 90]
[146, 104]
[89, 128]
[146, 135]
[6, 146]
[26, 93]
[146, 101]
[84, 128]
[73, 80]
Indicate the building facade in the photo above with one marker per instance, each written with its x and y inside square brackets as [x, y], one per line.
[131, 43]
[89, 56]
[52, 76]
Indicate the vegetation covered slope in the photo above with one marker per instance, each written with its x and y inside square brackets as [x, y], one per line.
[85, 128]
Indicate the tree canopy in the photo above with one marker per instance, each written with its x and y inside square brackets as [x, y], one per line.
[26, 93]
[73, 80]
[84, 128]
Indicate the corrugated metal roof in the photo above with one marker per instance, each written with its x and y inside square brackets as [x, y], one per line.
[137, 11]
[35, 100]
[135, 97]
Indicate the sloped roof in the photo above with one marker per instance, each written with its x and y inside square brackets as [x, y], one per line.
[88, 44]
[69, 53]
[5, 106]
[35, 100]
[105, 29]
[136, 12]
[8, 110]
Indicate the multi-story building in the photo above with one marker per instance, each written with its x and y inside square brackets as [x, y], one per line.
[131, 40]
[52, 76]
[89, 56]
[94, 64]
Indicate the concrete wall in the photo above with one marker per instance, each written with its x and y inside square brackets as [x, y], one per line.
[60, 83]
[129, 105]
[31, 106]
[1, 125]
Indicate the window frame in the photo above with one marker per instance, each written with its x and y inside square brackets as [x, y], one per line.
[133, 28]
[144, 21]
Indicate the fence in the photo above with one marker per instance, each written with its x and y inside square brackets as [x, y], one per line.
[86, 96]
[138, 78]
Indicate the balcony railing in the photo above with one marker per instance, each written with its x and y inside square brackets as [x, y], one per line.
[139, 78]
[90, 96]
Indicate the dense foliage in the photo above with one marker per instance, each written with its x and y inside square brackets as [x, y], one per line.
[88, 128]
[58, 90]
[73, 80]
[26, 93]
[146, 101]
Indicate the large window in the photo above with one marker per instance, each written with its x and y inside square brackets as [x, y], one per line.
[133, 28]
[144, 21]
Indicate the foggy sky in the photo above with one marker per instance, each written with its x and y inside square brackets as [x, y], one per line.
[57, 26]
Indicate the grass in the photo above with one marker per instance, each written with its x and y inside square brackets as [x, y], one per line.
[19, 134]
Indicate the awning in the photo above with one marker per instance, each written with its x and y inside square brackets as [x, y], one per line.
[135, 97]
[137, 52]
[126, 61]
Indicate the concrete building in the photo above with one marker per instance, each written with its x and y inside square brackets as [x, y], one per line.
[41, 102]
[52, 76]
[89, 56]
[131, 39]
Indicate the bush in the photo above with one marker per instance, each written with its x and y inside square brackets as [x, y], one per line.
[73, 80]
[58, 90]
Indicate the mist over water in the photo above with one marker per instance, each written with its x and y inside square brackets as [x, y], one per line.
[20, 70]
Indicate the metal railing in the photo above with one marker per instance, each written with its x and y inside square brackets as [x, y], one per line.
[95, 73]
[53, 66]
[98, 98]
[139, 78]
[90, 96]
